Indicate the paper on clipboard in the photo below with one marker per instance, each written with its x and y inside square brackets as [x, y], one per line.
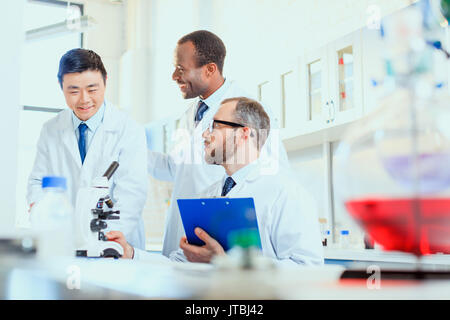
[221, 218]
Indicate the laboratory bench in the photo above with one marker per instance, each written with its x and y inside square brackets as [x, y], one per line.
[26, 277]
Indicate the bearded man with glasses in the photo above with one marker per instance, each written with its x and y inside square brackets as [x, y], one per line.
[286, 212]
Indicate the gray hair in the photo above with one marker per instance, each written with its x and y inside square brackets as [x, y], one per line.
[251, 113]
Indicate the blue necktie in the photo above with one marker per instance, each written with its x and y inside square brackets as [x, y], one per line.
[82, 141]
[227, 186]
[202, 107]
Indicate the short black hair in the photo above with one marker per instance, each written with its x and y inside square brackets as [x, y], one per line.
[79, 60]
[208, 47]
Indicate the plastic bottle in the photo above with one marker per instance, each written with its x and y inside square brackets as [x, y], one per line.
[326, 235]
[52, 220]
[344, 240]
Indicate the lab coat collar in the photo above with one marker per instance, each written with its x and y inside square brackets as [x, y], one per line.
[246, 174]
[68, 135]
[254, 170]
[216, 98]
[110, 121]
[213, 102]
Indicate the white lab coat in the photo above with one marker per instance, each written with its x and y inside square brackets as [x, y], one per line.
[186, 167]
[286, 214]
[118, 138]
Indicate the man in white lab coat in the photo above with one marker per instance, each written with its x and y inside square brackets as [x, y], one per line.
[199, 61]
[286, 212]
[81, 142]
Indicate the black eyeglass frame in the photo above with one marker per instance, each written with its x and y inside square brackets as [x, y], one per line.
[228, 123]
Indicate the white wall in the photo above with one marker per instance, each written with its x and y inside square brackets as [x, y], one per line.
[153, 28]
[261, 36]
[135, 93]
[11, 34]
[137, 38]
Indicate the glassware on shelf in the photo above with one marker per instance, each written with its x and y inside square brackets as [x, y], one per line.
[345, 78]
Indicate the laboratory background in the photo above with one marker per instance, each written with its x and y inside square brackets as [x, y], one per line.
[358, 88]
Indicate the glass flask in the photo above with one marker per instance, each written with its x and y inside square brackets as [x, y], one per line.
[393, 166]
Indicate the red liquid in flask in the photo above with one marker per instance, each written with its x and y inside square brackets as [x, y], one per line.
[418, 226]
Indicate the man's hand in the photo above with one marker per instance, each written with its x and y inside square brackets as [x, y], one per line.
[201, 254]
[117, 236]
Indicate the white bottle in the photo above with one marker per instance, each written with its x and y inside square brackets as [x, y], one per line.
[52, 220]
[344, 239]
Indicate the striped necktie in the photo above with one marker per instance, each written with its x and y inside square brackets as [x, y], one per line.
[227, 186]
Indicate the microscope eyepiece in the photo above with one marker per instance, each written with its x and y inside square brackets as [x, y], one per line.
[110, 171]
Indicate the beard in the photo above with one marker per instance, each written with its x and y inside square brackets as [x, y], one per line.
[211, 158]
[219, 156]
[190, 94]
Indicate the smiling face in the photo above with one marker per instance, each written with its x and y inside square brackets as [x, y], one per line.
[191, 79]
[84, 92]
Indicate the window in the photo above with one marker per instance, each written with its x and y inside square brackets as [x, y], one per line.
[41, 96]
[41, 55]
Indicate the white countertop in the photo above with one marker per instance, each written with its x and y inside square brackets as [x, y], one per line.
[160, 280]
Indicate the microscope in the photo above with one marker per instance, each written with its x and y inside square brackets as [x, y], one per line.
[93, 208]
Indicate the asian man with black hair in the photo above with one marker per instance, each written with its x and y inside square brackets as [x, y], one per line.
[80, 142]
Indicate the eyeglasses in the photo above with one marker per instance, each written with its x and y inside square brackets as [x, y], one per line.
[213, 126]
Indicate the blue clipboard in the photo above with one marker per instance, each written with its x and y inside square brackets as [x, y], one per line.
[219, 217]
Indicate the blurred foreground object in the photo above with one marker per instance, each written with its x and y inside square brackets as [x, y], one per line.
[393, 166]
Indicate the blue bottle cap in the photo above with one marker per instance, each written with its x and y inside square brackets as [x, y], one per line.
[344, 232]
[54, 182]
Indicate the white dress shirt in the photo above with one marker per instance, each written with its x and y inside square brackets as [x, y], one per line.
[92, 125]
